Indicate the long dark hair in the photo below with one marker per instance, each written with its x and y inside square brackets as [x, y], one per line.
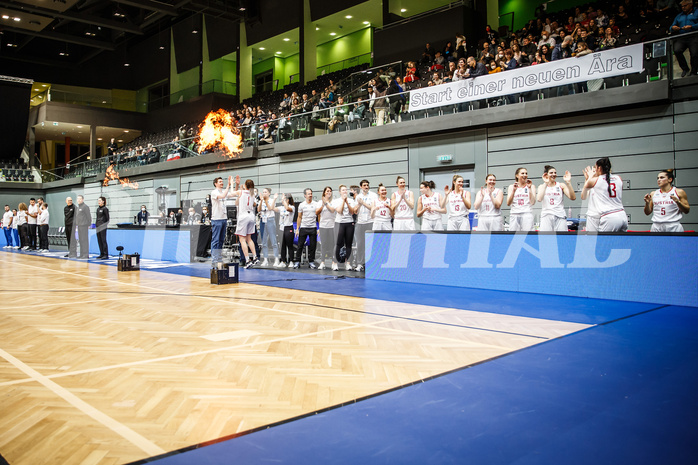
[605, 165]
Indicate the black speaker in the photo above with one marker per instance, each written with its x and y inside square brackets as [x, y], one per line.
[225, 273]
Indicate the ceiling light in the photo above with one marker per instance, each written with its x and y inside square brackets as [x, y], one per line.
[162, 47]
[194, 31]
[402, 10]
[317, 28]
[348, 16]
[16, 19]
[43, 85]
[278, 53]
[120, 140]
[36, 90]
[127, 64]
[333, 33]
[242, 8]
[286, 39]
[79, 127]
[366, 22]
[5, 17]
[262, 48]
[99, 138]
[55, 124]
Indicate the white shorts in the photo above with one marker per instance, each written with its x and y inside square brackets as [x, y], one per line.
[592, 223]
[432, 225]
[489, 223]
[458, 223]
[382, 226]
[614, 222]
[245, 226]
[553, 223]
[521, 222]
[673, 226]
[403, 224]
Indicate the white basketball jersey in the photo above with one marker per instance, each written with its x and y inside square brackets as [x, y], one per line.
[456, 206]
[382, 210]
[435, 203]
[402, 210]
[552, 201]
[665, 209]
[245, 204]
[487, 205]
[608, 203]
[522, 200]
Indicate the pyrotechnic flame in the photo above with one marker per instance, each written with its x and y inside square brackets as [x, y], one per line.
[217, 131]
[112, 175]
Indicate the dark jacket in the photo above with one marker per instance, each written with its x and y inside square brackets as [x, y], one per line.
[102, 216]
[83, 217]
[69, 214]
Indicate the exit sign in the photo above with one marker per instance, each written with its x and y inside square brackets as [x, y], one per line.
[445, 158]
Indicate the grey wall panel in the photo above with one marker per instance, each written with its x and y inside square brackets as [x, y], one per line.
[686, 107]
[581, 133]
[686, 159]
[686, 141]
[686, 122]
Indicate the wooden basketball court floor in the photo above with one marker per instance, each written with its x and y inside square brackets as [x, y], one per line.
[103, 367]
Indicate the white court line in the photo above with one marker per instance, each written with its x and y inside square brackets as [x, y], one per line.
[122, 430]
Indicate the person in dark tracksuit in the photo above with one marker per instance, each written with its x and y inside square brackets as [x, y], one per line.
[102, 222]
[83, 220]
[69, 215]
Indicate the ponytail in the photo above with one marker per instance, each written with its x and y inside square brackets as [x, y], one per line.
[670, 173]
[605, 165]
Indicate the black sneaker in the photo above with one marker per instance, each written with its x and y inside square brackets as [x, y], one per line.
[248, 264]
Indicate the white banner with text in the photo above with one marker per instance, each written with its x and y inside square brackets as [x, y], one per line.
[599, 65]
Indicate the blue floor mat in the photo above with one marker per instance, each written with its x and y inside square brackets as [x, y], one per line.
[623, 392]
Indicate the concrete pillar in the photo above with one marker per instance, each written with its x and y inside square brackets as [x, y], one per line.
[244, 66]
[93, 142]
[308, 46]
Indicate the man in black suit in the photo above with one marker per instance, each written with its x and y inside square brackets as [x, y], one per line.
[69, 216]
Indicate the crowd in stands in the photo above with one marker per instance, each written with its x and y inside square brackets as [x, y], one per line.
[269, 117]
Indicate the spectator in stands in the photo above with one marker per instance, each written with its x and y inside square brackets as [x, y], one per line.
[475, 68]
[518, 54]
[428, 54]
[296, 107]
[486, 52]
[142, 217]
[622, 17]
[666, 5]
[545, 39]
[358, 111]
[439, 62]
[491, 35]
[461, 48]
[510, 62]
[546, 52]
[307, 104]
[528, 48]
[578, 15]
[111, 151]
[436, 78]
[448, 51]
[153, 154]
[563, 50]
[540, 58]
[601, 18]
[684, 23]
[341, 110]
[609, 40]
[493, 67]
[448, 77]
[462, 72]
[380, 105]
[581, 50]
[570, 26]
[397, 100]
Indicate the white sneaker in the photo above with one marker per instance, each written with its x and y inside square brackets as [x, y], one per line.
[348, 267]
[290, 264]
[359, 268]
[322, 266]
[265, 262]
[277, 263]
[335, 267]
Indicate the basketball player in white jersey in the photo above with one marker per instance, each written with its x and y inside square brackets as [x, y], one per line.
[458, 201]
[667, 204]
[488, 202]
[402, 203]
[551, 193]
[608, 196]
[246, 226]
[521, 197]
[429, 207]
[382, 211]
[592, 216]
